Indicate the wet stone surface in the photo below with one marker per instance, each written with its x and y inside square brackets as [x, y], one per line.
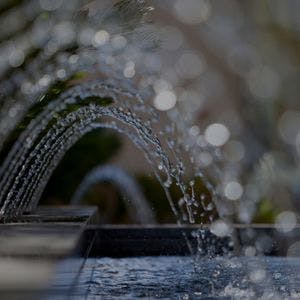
[176, 277]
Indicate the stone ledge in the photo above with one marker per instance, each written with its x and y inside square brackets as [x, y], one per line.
[33, 248]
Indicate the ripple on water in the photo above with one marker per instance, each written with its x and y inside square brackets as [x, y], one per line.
[176, 277]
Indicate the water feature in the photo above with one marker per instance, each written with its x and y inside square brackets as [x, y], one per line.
[70, 67]
[80, 88]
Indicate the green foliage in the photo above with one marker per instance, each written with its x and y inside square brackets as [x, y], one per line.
[156, 197]
[93, 149]
[8, 4]
[266, 213]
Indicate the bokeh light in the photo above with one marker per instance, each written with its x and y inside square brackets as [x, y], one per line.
[165, 100]
[217, 134]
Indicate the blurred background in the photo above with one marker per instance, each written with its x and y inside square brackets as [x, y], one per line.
[230, 70]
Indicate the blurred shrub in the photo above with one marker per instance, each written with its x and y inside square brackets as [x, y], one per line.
[266, 212]
[93, 149]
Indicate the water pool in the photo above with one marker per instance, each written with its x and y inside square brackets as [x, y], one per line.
[177, 277]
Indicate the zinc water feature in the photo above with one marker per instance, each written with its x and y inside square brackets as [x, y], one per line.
[68, 68]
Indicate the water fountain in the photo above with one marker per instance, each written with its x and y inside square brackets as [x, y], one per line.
[136, 202]
[70, 67]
